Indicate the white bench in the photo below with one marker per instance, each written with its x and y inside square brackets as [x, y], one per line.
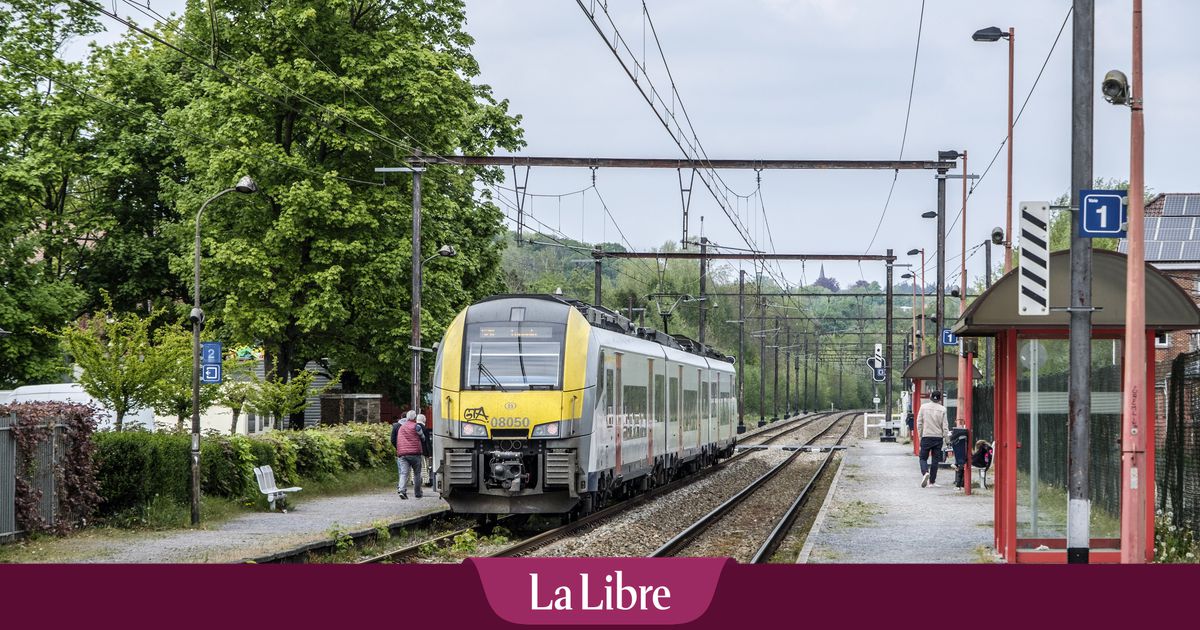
[266, 484]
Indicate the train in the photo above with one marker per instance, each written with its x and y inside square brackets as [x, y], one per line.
[548, 405]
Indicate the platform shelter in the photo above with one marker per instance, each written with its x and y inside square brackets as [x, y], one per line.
[1031, 367]
[923, 373]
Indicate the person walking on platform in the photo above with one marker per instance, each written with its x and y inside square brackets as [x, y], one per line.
[934, 432]
[406, 439]
[426, 448]
[959, 439]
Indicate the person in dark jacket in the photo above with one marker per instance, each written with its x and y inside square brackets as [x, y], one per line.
[407, 438]
[959, 439]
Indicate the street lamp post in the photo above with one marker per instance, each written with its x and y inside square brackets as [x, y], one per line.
[994, 34]
[914, 252]
[245, 186]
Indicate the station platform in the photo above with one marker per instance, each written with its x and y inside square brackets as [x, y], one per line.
[251, 535]
[877, 512]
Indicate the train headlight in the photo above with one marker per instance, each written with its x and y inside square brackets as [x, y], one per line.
[472, 430]
[548, 430]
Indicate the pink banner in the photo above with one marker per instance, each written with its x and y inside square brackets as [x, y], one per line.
[594, 591]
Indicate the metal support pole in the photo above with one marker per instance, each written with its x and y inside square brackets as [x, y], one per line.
[787, 374]
[416, 292]
[887, 356]
[1136, 480]
[741, 393]
[924, 313]
[1009, 203]
[939, 356]
[703, 286]
[816, 372]
[1079, 399]
[762, 365]
[987, 283]
[596, 281]
[775, 375]
[805, 404]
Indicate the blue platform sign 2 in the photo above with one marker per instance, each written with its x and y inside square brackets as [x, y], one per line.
[210, 374]
[949, 338]
[1103, 214]
[210, 353]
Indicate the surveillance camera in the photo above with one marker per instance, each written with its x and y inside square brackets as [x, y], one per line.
[997, 236]
[1115, 87]
[196, 316]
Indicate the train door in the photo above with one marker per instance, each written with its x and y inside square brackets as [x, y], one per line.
[618, 410]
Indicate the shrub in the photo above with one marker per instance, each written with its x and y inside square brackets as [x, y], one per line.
[274, 449]
[227, 466]
[1172, 543]
[319, 454]
[74, 472]
[366, 445]
[133, 467]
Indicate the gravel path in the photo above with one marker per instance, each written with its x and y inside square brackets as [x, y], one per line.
[261, 533]
[880, 513]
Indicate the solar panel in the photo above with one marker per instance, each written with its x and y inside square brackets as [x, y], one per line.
[1191, 251]
[1174, 234]
[1152, 250]
[1170, 250]
[1176, 223]
[1191, 205]
[1174, 205]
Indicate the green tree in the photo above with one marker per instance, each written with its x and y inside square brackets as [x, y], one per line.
[316, 267]
[120, 366]
[43, 144]
[171, 393]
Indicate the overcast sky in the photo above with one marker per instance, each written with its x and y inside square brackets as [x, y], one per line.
[826, 79]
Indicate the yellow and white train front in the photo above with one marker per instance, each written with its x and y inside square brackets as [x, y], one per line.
[510, 387]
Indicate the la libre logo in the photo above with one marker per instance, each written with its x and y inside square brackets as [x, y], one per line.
[613, 594]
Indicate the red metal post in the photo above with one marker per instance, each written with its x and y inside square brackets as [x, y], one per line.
[968, 402]
[1151, 431]
[964, 374]
[1134, 425]
[1008, 206]
[1010, 449]
[998, 397]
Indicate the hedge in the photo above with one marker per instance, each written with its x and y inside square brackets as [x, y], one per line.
[133, 467]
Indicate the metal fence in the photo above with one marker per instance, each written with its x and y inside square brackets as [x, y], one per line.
[41, 469]
[1178, 452]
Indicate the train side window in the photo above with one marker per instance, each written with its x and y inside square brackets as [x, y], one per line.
[660, 398]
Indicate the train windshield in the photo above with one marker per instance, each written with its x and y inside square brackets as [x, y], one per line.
[514, 355]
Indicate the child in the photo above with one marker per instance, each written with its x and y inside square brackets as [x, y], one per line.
[982, 455]
[959, 440]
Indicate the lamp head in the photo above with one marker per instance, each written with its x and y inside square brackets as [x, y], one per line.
[948, 156]
[989, 34]
[246, 185]
[906, 275]
[1115, 87]
[932, 214]
[914, 252]
[447, 251]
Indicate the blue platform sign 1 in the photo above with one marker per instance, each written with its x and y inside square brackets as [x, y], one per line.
[949, 338]
[210, 373]
[1103, 214]
[210, 353]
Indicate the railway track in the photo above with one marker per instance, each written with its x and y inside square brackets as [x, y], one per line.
[741, 513]
[593, 520]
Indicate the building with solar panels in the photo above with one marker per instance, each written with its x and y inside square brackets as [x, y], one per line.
[1173, 247]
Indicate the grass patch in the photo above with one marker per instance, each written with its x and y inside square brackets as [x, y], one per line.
[856, 514]
[984, 555]
[1052, 512]
[352, 482]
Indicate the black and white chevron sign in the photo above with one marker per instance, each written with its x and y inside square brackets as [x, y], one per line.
[1034, 279]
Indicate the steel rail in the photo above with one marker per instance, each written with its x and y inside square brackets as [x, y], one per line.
[545, 538]
[784, 526]
[683, 538]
